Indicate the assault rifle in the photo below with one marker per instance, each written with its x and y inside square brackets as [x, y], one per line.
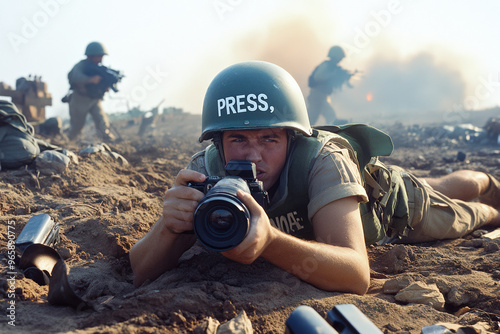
[109, 76]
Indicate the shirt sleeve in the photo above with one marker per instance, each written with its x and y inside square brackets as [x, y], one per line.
[334, 175]
[76, 76]
[197, 163]
[322, 73]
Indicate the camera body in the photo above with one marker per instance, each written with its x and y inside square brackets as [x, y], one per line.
[243, 169]
[221, 221]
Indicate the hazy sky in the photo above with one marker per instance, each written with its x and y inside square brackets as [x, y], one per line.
[414, 55]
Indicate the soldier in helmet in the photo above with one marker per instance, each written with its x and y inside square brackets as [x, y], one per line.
[81, 101]
[326, 78]
[255, 111]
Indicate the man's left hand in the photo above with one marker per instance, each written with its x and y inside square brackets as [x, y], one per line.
[259, 236]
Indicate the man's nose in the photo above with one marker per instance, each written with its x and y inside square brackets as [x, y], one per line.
[254, 154]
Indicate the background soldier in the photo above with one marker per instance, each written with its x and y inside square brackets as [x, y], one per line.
[83, 100]
[326, 78]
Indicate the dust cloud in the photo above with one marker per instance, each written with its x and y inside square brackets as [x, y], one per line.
[388, 88]
[294, 44]
[291, 43]
[413, 89]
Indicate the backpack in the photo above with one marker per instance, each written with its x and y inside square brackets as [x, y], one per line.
[18, 145]
[386, 214]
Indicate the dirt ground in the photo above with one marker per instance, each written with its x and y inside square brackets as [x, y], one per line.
[105, 205]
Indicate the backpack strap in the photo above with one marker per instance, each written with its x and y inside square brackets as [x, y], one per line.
[388, 206]
[382, 187]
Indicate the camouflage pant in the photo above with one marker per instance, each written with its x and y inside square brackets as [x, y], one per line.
[434, 216]
[79, 107]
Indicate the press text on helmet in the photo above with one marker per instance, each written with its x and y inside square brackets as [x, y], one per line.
[243, 103]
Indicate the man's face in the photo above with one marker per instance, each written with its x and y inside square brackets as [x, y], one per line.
[96, 59]
[266, 148]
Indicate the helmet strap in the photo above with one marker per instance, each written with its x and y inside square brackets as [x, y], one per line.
[292, 135]
[217, 141]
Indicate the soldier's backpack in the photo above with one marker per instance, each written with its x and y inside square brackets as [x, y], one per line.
[385, 216]
[18, 145]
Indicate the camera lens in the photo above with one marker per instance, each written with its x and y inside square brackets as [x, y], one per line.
[221, 220]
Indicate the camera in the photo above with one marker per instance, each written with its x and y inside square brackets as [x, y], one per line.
[221, 221]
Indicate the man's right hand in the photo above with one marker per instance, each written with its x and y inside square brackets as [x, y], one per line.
[160, 249]
[180, 202]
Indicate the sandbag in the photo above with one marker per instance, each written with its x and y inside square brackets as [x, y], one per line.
[51, 162]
